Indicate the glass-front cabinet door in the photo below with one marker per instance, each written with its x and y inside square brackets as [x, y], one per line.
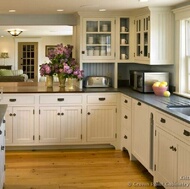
[142, 38]
[98, 39]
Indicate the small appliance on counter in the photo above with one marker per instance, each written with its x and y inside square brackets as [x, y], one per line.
[97, 81]
[142, 81]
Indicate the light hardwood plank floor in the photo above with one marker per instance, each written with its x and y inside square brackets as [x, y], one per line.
[74, 169]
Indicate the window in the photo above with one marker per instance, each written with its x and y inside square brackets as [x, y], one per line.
[187, 36]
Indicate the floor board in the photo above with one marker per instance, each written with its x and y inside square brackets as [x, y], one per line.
[74, 169]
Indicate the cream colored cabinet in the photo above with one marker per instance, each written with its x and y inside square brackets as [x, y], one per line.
[2, 154]
[60, 119]
[98, 39]
[101, 118]
[126, 123]
[172, 152]
[154, 34]
[19, 125]
[142, 131]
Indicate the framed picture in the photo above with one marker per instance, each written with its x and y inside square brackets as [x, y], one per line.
[49, 48]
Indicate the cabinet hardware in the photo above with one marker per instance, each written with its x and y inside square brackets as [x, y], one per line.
[141, 52]
[83, 52]
[33, 111]
[162, 120]
[33, 137]
[154, 167]
[4, 121]
[115, 135]
[81, 137]
[125, 137]
[60, 99]
[139, 103]
[1, 132]
[10, 114]
[186, 133]
[174, 149]
[39, 137]
[4, 167]
[126, 101]
[88, 113]
[125, 117]
[171, 147]
[58, 114]
[2, 147]
[62, 113]
[12, 100]
[116, 110]
[102, 99]
[81, 111]
[14, 114]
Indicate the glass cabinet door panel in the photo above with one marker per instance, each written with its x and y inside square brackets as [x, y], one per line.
[92, 26]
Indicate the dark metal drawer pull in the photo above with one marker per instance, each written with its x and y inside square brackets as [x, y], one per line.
[2, 147]
[1, 132]
[162, 120]
[125, 137]
[102, 99]
[186, 133]
[60, 99]
[12, 100]
[139, 103]
[125, 117]
[126, 101]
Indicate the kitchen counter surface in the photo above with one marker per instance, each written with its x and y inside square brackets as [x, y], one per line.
[150, 99]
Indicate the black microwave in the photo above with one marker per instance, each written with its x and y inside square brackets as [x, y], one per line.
[142, 81]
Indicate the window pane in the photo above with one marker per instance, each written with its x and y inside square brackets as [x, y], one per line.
[188, 38]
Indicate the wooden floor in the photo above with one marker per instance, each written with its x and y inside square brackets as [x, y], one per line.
[74, 169]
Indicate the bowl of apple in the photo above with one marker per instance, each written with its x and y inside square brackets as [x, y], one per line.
[161, 88]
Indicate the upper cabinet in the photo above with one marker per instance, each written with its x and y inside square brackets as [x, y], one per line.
[154, 36]
[98, 39]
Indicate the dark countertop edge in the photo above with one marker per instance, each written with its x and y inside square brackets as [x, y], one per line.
[3, 108]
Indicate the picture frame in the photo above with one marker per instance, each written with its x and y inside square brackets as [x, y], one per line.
[48, 48]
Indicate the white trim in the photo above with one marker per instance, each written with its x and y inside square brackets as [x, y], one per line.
[182, 13]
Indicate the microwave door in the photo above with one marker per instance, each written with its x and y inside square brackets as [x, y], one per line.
[139, 82]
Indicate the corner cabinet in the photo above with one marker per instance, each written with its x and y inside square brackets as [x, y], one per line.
[154, 34]
[98, 39]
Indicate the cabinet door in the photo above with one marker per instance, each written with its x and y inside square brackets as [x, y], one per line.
[165, 157]
[98, 39]
[49, 128]
[141, 135]
[142, 51]
[101, 123]
[71, 124]
[23, 125]
[9, 126]
[183, 164]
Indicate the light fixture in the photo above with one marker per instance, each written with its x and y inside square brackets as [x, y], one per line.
[15, 32]
[4, 55]
[143, 0]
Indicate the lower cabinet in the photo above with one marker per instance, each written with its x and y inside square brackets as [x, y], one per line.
[2, 154]
[60, 124]
[19, 125]
[101, 123]
[142, 131]
[172, 153]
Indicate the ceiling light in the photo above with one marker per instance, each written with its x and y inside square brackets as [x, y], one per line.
[143, 0]
[102, 10]
[15, 32]
[60, 10]
[12, 10]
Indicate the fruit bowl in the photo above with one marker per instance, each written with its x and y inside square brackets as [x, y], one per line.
[159, 91]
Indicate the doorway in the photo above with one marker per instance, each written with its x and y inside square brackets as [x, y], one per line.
[28, 59]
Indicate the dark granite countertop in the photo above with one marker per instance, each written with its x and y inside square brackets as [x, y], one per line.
[3, 108]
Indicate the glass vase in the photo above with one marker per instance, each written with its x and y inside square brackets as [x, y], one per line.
[70, 82]
[49, 81]
[62, 80]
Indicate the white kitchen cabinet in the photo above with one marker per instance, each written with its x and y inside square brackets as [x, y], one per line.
[142, 131]
[60, 124]
[154, 30]
[172, 152]
[2, 154]
[19, 125]
[98, 39]
[126, 123]
[101, 119]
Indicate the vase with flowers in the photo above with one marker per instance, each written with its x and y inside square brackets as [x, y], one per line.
[63, 64]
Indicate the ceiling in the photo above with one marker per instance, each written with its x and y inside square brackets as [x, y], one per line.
[35, 7]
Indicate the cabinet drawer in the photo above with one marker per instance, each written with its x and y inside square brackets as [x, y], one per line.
[126, 101]
[102, 99]
[174, 126]
[60, 99]
[17, 100]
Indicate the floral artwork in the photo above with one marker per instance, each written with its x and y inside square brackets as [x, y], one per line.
[61, 61]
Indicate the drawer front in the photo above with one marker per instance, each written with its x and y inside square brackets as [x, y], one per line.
[174, 126]
[60, 99]
[17, 100]
[102, 99]
[126, 101]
